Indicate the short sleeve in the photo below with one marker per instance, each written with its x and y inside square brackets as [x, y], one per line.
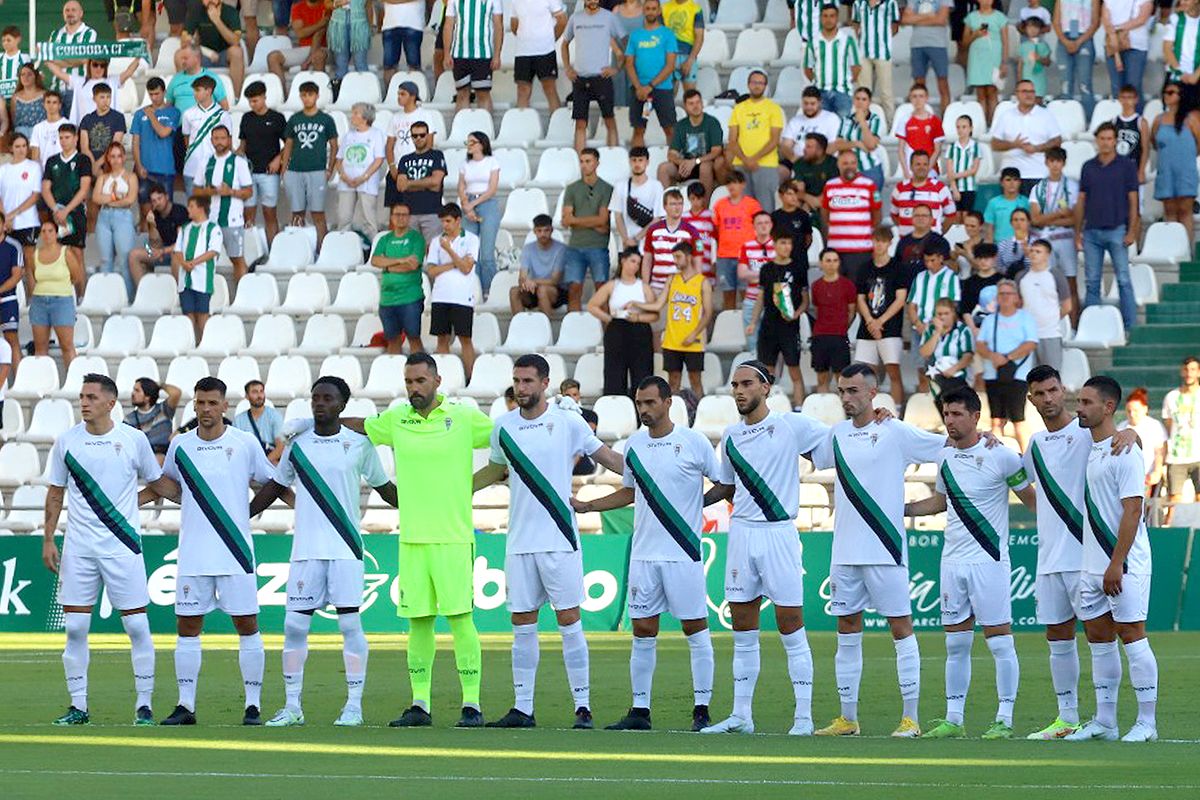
[1130, 470]
[939, 485]
[809, 432]
[262, 469]
[822, 456]
[920, 447]
[379, 427]
[497, 455]
[58, 464]
[369, 465]
[216, 242]
[169, 468]
[776, 116]
[481, 429]
[1060, 285]
[584, 441]
[147, 465]
[1015, 474]
[285, 473]
[725, 469]
[1030, 328]
[627, 478]
[709, 464]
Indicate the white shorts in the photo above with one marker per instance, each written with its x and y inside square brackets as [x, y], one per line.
[979, 590]
[677, 587]
[879, 351]
[316, 583]
[1131, 605]
[197, 595]
[764, 560]
[80, 577]
[1057, 597]
[535, 579]
[853, 588]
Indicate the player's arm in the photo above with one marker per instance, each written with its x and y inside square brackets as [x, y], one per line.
[934, 504]
[485, 477]
[268, 494]
[618, 499]
[718, 492]
[388, 492]
[1124, 440]
[54, 504]
[164, 487]
[1131, 518]
[1028, 497]
[610, 459]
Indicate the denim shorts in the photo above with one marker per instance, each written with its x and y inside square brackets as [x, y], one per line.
[404, 318]
[924, 58]
[194, 302]
[693, 73]
[402, 41]
[306, 191]
[46, 311]
[581, 260]
[282, 12]
[164, 180]
[727, 277]
[266, 190]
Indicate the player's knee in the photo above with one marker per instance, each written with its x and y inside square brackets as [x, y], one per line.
[567, 616]
[645, 628]
[247, 625]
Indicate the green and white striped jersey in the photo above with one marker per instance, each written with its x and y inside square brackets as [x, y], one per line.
[9, 65]
[975, 482]
[927, 288]
[808, 18]
[961, 157]
[851, 131]
[831, 61]
[194, 240]
[83, 35]
[473, 26]
[952, 347]
[874, 22]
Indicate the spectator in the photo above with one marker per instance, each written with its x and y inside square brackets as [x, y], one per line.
[309, 22]
[309, 151]
[212, 25]
[82, 86]
[1153, 436]
[964, 251]
[783, 299]
[398, 255]
[791, 217]
[1127, 41]
[697, 151]
[569, 387]
[997, 215]
[101, 127]
[831, 62]
[1051, 210]
[650, 57]
[910, 250]
[188, 70]
[585, 215]
[947, 349]
[686, 302]
[261, 421]
[163, 222]
[1044, 294]
[876, 22]
[834, 299]
[685, 18]
[225, 178]
[755, 128]
[973, 307]
[628, 339]
[1013, 253]
[1181, 416]
[43, 140]
[859, 132]
[11, 57]
[358, 168]
[419, 179]
[814, 170]
[12, 271]
[1075, 23]
[152, 416]
[700, 217]
[658, 245]
[1183, 62]
[537, 25]
[478, 181]
[116, 193]
[639, 202]
[1107, 220]
[960, 166]
[348, 35]
[1175, 135]
[919, 130]
[401, 27]
[54, 285]
[756, 253]
[1007, 341]
[882, 292]
[399, 138]
[510, 399]
[850, 210]
[930, 42]
[66, 186]
[597, 35]
[921, 189]
[197, 124]
[733, 220]
[28, 101]
[194, 263]
[1133, 133]
[928, 286]
[540, 278]
[1033, 55]
[6, 359]
[450, 263]
[1024, 133]
[261, 135]
[984, 34]
[472, 48]
[806, 17]
[153, 131]
[20, 190]
[73, 31]
[810, 119]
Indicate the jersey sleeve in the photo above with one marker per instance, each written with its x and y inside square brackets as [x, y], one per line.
[147, 465]
[939, 485]
[1130, 472]
[169, 469]
[262, 470]
[285, 473]
[497, 455]
[58, 463]
[1015, 474]
[369, 465]
[920, 447]
[585, 441]
[725, 468]
[481, 429]
[810, 434]
[379, 428]
[822, 456]
[707, 456]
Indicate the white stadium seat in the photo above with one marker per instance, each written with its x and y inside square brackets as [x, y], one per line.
[497, 298]
[270, 82]
[754, 47]
[528, 332]
[288, 377]
[51, 417]
[347, 368]
[578, 333]
[357, 87]
[386, 379]
[491, 375]
[1166, 244]
[37, 377]
[324, 333]
[257, 293]
[273, 334]
[223, 334]
[557, 167]
[324, 92]
[170, 337]
[514, 167]
[33, 500]
[341, 251]
[236, 372]
[1100, 327]
[103, 294]
[824, 407]
[560, 131]
[185, 371]
[358, 293]
[130, 369]
[618, 417]
[291, 251]
[714, 414]
[157, 294]
[307, 293]
[73, 382]
[123, 335]
[589, 371]
[715, 50]
[391, 96]
[18, 463]
[521, 207]
[729, 334]
[466, 122]
[450, 368]
[921, 412]
[519, 127]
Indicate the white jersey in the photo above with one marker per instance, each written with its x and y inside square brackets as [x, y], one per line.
[227, 211]
[540, 454]
[215, 478]
[1057, 462]
[762, 463]
[667, 477]
[1111, 479]
[329, 471]
[975, 482]
[197, 124]
[101, 476]
[868, 525]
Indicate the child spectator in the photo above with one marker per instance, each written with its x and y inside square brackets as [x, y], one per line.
[1033, 55]
[997, 216]
[834, 298]
[960, 166]
[194, 263]
[987, 56]
[921, 130]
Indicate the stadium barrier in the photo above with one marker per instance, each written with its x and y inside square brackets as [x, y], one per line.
[27, 589]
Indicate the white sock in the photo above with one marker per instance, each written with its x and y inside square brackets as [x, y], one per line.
[1064, 674]
[141, 653]
[800, 670]
[641, 669]
[187, 669]
[908, 673]
[354, 657]
[1008, 675]
[701, 649]
[1143, 675]
[958, 673]
[1106, 677]
[575, 658]
[847, 667]
[75, 657]
[524, 665]
[295, 653]
[745, 672]
[252, 658]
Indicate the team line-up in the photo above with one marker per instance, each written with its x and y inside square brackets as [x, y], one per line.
[1094, 560]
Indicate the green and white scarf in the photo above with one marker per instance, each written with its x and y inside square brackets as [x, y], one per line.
[226, 201]
[75, 47]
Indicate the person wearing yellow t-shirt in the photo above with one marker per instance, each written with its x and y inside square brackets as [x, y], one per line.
[687, 298]
[685, 18]
[754, 130]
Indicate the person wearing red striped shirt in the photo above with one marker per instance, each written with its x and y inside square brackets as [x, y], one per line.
[658, 264]
[756, 254]
[850, 210]
[700, 217]
[921, 190]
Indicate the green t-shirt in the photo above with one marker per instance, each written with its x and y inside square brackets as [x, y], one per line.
[588, 201]
[197, 24]
[311, 137]
[399, 288]
[693, 141]
[434, 468]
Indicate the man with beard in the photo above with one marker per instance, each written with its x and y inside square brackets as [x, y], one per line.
[261, 421]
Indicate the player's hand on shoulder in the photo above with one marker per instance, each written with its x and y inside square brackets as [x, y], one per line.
[1124, 440]
[294, 427]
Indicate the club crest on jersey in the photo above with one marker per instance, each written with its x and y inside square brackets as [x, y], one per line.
[978, 462]
[874, 439]
[299, 586]
[550, 428]
[770, 430]
[187, 588]
[228, 453]
[345, 447]
[733, 573]
[117, 447]
[678, 450]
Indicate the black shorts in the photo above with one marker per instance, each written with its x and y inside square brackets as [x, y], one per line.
[676, 360]
[830, 353]
[27, 236]
[451, 319]
[79, 237]
[966, 201]
[529, 299]
[779, 340]
[585, 90]
[1007, 399]
[473, 73]
[544, 68]
[663, 102]
[176, 11]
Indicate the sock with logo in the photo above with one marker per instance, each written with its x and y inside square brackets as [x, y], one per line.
[141, 653]
[575, 657]
[1064, 674]
[295, 653]
[641, 669]
[847, 667]
[1008, 675]
[422, 647]
[468, 657]
[1143, 674]
[525, 655]
[958, 673]
[908, 673]
[1106, 677]
[800, 670]
[187, 669]
[252, 658]
[701, 649]
[746, 660]
[75, 657]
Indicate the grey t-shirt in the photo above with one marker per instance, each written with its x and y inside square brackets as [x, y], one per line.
[540, 264]
[593, 34]
[930, 35]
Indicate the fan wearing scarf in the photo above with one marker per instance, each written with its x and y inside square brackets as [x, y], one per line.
[224, 177]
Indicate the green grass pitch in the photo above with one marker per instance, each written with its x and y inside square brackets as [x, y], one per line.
[219, 758]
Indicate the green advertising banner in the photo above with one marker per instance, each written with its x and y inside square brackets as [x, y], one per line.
[27, 589]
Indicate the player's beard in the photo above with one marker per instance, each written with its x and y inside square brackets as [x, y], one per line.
[749, 407]
[529, 401]
[418, 401]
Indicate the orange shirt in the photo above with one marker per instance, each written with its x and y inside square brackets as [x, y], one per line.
[734, 224]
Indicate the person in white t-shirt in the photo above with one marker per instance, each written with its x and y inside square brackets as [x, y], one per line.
[1153, 436]
[399, 141]
[43, 139]
[478, 183]
[637, 201]
[1024, 133]
[537, 25]
[1126, 25]
[1046, 296]
[450, 264]
[20, 190]
[403, 32]
[359, 167]
[811, 118]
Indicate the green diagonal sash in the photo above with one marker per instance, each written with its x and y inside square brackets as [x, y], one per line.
[326, 500]
[211, 121]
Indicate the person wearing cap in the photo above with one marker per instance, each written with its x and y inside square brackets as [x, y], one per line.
[933, 283]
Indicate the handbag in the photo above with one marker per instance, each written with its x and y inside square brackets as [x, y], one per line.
[1006, 373]
[638, 214]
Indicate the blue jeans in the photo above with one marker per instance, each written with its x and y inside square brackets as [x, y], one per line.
[486, 229]
[839, 103]
[116, 234]
[283, 12]
[752, 338]
[1076, 71]
[1097, 241]
[342, 56]
[1135, 68]
[406, 40]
